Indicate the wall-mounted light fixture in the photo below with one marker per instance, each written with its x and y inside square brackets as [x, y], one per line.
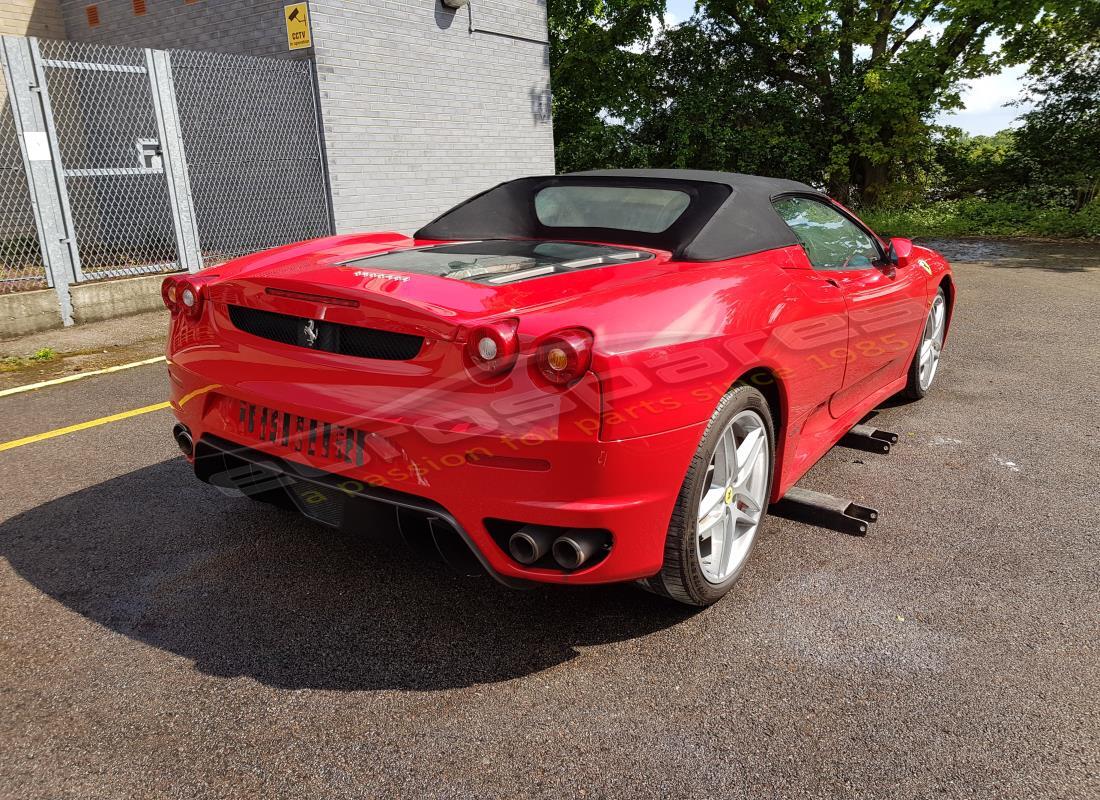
[458, 4]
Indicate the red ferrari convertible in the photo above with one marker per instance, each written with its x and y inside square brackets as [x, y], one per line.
[595, 377]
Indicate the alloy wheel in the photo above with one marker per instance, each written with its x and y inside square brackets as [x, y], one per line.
[932, 342]
[733, 498]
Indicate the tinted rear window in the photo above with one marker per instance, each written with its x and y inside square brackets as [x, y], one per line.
[619, 207]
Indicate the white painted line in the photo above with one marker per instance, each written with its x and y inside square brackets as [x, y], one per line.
[43, 384]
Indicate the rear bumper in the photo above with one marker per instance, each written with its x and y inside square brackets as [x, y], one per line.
[557, 475]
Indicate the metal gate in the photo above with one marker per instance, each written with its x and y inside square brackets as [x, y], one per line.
[141, 161]
[21, 262]
[250, 131]
[110, 146]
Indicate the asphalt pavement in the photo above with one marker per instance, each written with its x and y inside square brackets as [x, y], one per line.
[160, 640]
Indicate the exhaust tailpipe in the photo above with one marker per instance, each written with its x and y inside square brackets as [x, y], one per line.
[183, 439]
[572, 550]
[530, 543]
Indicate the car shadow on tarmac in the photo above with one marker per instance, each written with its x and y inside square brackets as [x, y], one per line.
[241, 588]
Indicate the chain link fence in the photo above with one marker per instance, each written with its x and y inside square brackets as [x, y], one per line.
[109, 142]
[21, 262]
[162, 160]
[249, 128]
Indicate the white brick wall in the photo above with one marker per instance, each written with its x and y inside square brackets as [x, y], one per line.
[419, 113]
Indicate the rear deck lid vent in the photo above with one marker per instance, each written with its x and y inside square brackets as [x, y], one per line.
[328, 337]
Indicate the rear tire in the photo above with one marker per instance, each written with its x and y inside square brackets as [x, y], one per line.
[722, 503]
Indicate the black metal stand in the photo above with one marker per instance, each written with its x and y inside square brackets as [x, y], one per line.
[868, 439]
[825, 511]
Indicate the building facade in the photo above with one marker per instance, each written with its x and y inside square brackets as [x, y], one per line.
[139, 137]
[421, 105]
[32, 18]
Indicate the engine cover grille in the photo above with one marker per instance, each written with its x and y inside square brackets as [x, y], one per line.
[328, 337]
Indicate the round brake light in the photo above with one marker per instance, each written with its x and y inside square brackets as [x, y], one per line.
[557, 359]
[492, 349]
[487, 348]
[190, 298]
[169, 292]
[565, 356]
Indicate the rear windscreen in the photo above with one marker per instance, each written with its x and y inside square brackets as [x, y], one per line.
[625, 208]
[499, 261]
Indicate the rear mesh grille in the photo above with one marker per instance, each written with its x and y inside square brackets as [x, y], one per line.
[328, 337]
[267, 325]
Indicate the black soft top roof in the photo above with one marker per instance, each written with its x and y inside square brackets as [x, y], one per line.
[729, 214]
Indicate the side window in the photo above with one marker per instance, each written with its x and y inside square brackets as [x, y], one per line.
[831, 240]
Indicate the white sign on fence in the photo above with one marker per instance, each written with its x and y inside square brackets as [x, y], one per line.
[38, 146]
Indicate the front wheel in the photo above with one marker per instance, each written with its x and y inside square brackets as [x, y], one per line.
[721, 504]
[926, 361]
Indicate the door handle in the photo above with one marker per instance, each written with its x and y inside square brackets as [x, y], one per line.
[832, 282]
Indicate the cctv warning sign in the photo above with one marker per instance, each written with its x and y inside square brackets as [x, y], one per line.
[297, 26]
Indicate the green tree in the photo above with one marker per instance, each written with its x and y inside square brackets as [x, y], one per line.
[709, 109]
[979, 165]
[839, 92]
[866, 77]
[1060, 139]
[594, 69]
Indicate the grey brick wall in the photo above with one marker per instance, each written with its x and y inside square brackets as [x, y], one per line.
[251, 27]
[419, 113]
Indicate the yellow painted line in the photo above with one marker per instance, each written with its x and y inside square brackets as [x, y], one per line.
[43, 384]
[93, 423]
[80, 426]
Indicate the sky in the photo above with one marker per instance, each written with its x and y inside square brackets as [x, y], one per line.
[984, 98]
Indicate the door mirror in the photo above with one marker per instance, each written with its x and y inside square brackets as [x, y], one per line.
[900, 252]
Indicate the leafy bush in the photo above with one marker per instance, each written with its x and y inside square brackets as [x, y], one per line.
[973, 216]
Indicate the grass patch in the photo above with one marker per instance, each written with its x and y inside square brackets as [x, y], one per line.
[16, 363]
[976, 217]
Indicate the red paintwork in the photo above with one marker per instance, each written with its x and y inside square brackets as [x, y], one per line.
[669, 339]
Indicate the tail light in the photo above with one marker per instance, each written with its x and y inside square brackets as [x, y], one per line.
[491, 350]
[169, 292]
[565, 356]
[182, 295]
[191, 298]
